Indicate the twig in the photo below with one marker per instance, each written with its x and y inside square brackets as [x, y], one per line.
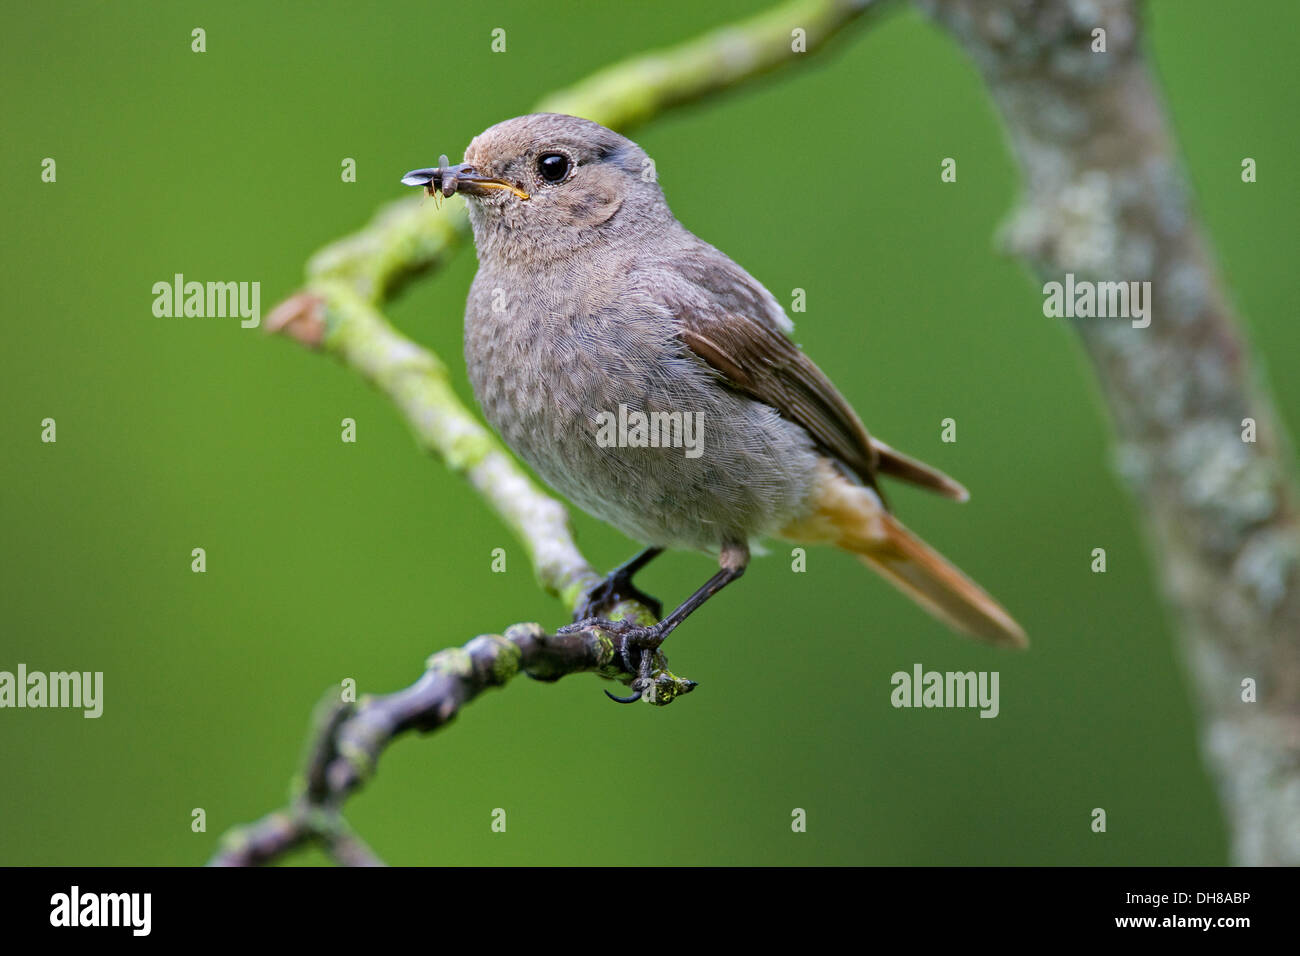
[347, 740]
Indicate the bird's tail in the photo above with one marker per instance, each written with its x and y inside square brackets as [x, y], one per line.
[924, 575]
[852, 517]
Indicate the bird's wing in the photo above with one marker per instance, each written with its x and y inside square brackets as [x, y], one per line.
[734, 325]
[767, 366]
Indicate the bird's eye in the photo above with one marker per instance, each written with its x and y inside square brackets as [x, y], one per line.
[553, 167]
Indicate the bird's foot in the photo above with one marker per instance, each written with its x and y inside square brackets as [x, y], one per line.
[614, 589]
[638, 646]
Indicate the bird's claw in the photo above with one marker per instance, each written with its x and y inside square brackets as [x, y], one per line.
[638, 637]
[636, 695]
[622, 628]
[640, 686]
[635, 636]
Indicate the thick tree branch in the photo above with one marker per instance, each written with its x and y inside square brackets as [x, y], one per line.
[339, 313]
[1104, 198]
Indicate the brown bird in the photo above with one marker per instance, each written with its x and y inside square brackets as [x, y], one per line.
[652, 381]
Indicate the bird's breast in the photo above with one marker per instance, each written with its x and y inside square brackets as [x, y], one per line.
[599, 396]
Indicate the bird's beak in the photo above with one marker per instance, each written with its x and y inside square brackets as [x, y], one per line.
[459, 178]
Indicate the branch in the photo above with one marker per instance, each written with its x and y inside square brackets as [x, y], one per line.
[1104, 198]
[348, 739]
[338, 312]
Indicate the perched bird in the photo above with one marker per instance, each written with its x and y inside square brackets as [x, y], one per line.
[593, 306]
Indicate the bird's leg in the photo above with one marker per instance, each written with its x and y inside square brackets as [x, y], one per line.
[646, 640]
[618, 586]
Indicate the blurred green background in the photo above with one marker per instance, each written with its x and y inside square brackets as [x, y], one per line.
[329, 560]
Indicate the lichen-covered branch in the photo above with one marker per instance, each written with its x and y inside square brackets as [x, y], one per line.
[1105, 199]
[348, 738]
[338, 312]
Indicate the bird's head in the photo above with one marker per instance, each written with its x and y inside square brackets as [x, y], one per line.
[552, 182]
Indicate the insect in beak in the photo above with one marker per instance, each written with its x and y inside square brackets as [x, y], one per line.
[448, 179]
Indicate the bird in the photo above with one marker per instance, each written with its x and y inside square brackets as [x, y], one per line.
[593, 306]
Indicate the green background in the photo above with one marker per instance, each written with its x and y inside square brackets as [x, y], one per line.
[329, 560]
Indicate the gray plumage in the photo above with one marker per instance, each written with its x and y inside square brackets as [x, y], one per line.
[578, 308]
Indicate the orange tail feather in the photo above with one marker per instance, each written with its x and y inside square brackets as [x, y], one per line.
[851, 516]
